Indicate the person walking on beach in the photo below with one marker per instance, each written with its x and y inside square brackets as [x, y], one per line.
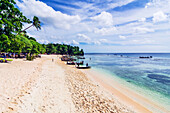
[86, 64]
[52, 60]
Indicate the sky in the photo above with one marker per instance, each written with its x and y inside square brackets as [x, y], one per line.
[102, 26]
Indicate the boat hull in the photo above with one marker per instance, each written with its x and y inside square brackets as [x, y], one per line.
[88, 67]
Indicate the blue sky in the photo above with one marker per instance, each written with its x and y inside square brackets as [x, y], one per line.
[102, 25]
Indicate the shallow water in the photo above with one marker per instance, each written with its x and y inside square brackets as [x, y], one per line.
[151, 77]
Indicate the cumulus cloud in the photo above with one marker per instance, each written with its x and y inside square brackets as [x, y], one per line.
[47, 14]
[105, 31]
[159, 16]
[103, 19]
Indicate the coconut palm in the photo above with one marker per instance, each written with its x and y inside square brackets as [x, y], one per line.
[35, 23]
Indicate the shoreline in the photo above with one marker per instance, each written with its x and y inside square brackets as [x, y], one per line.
[127, 96]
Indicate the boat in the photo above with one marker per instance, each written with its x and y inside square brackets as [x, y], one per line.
[73, 63]
[83, 67]
[80, 63]
[70, 63]
[79, 57]
[66, 58]
[145, 57]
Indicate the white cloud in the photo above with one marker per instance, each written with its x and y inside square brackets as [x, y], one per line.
[148, 5]
[122, 37]
[74, 42]
[103, 40]
[91, 9]
[120, 3]
[83, 37]
[143, 30]
[142, 41]
[42, 41]
[105, 31]
[47, 14]
[104, 19]
[97, 42]
[159, 16]
[57, 42]
[66, 42]
[142, 20]
[55, 37]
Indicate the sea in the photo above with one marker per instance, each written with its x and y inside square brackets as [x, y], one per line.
[149, 76]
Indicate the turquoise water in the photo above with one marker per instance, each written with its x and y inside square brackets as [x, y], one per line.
[149, 77]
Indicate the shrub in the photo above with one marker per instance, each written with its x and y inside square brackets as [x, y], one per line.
[30, 57]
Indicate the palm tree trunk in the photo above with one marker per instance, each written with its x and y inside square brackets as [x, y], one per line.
[27, 28]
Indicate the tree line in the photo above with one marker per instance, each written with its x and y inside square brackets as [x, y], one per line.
[15, 40]
[63, 49]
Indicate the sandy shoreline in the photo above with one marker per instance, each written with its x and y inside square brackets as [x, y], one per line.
[125, 95]
[51, 87]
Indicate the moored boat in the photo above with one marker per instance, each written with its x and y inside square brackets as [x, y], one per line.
[66, 58]
[83, 67]
[73, 63]
[79, 57]
[145, 57]
[70, 63]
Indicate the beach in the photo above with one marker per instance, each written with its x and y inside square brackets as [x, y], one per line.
[50, 86]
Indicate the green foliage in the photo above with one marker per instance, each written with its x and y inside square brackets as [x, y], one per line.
[16, 44]
[41, 49]
[50, 48]
[11, 19]
[4, 42]
[30, 57]
[28, 45]
[35, 47]
[35, 23]
[63, 49]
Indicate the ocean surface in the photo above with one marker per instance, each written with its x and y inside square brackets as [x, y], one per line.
[147, 76]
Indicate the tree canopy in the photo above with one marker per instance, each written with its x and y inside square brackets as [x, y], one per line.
[35, 23]
[63, 49]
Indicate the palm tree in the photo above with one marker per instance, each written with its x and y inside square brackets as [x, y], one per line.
[35, 23]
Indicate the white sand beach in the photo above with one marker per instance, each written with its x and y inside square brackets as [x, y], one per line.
[46, 86]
